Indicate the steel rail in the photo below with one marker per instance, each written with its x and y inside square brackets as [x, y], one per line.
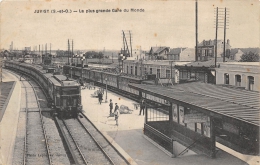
[81, 154]
[104, 152]
[66, 140]
[105, 138]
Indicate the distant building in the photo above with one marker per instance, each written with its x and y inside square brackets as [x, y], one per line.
[27, 49]
[158, 53]
[181, 54]
[206, 49]
[174, 54]
[236, 53]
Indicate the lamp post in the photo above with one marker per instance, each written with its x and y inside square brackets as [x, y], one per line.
[82, 61]
[106, 90]
[77, 59]
[71, 72]
[122, 58]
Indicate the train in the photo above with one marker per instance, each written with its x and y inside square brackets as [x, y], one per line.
[102, 77]
[63, 93]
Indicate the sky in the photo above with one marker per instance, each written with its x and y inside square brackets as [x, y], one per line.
[162, 23]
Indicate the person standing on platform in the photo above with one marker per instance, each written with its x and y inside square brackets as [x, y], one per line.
[116, 108]
[100, 97]
[117, 113]
[111, 106]
[142, 106]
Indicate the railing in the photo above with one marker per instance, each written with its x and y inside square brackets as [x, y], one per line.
[160, 138]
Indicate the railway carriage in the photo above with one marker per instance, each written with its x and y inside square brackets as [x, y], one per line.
[63, 93]
[125, 80]
[86, 73]
[114, 81]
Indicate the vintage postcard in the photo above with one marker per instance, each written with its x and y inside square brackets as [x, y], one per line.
[130, 82]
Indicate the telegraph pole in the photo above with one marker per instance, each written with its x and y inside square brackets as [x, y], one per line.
[196, 49]
[68, 51]
[130, 43]
[72, 54]
[225, 21]
[221, 22]
[216, 39]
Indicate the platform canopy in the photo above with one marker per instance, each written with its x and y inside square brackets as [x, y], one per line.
[234, 103]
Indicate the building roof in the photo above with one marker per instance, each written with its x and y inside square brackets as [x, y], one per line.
[253, 50]
[176, 50]
[239, 104]
[212, 42]
[156, 50]
[210, 63]
[234, 51]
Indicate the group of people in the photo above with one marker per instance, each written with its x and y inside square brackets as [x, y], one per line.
[116, 111]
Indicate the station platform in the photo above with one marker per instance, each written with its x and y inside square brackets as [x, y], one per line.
[128, 137]
[8, 124]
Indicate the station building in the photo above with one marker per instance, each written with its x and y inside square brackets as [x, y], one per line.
[160, 68]
[198, 115]
[245, 75]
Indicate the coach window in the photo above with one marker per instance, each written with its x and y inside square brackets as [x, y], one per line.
[238, 80]
[251, 82]
[226, 78]
[158, 73]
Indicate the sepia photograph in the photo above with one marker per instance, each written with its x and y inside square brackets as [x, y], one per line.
[129, 82]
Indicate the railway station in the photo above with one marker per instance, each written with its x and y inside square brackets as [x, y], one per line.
[162, 124]
[218, 114]
[165, 91]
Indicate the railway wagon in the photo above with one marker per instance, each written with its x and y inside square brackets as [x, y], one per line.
[62, 93]
[125, 80]
[114, 81]
[110, 79]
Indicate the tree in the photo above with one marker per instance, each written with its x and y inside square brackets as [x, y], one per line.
[249, 57]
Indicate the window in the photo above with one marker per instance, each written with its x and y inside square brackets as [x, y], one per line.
[126, 69]
[168, 74]
[136, 70]
[192, 75]
[131, 70]
[158, 73]
[238, 80]
[151, 70]
[251, 82]
[226, 78]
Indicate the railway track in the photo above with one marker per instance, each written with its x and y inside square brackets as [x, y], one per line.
[37, 140]
[35, 144]
[84, 143]
[87, 145]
